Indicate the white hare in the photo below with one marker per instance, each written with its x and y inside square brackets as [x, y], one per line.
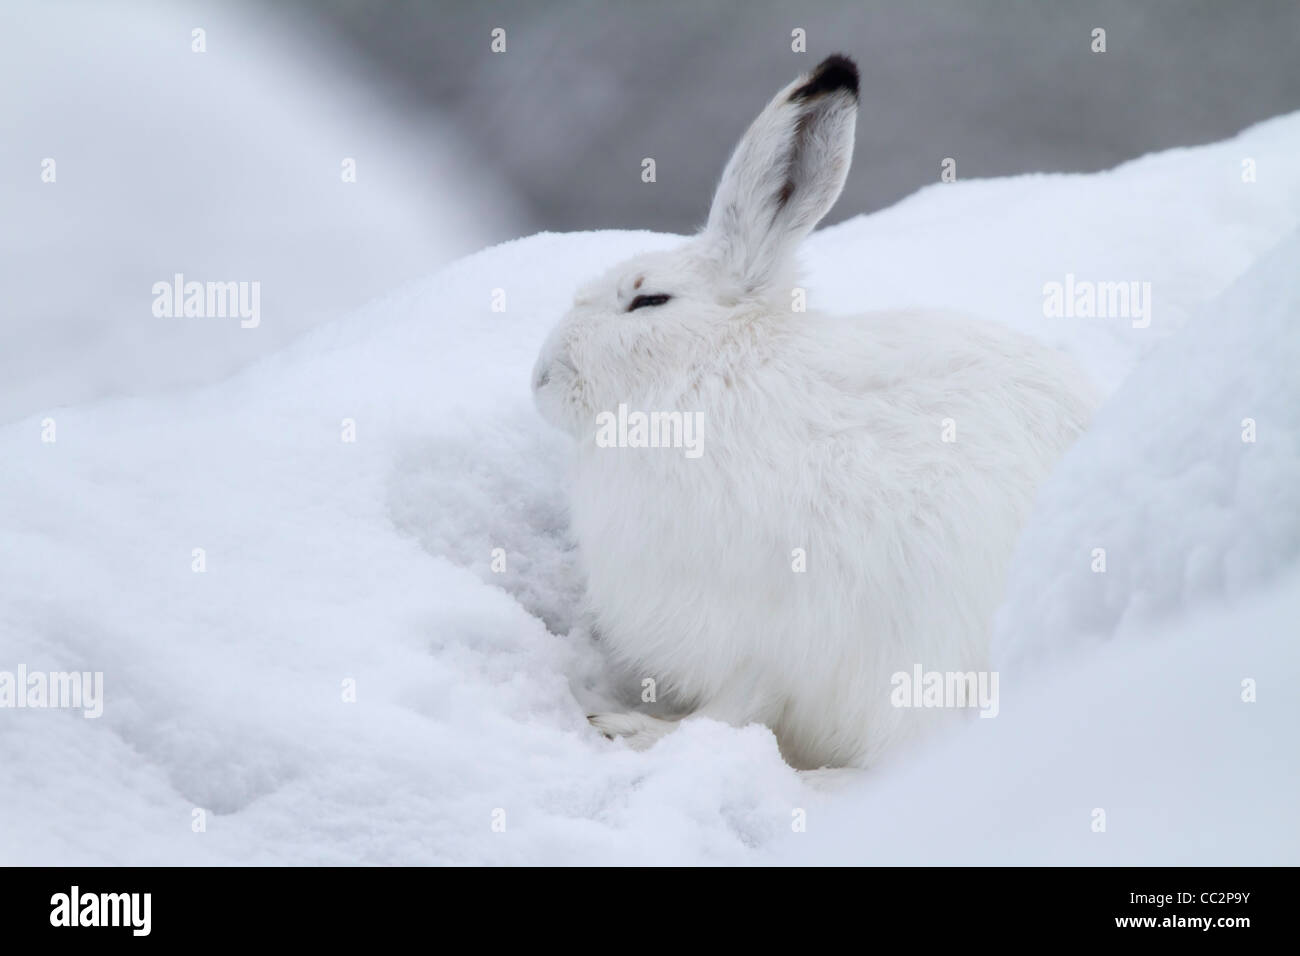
[830, 532]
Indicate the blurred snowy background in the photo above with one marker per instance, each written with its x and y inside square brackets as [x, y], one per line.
[1003, 86]
[228, 163]
[368, 561]
[223, 165]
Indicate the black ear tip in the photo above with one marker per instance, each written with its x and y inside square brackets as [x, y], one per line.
[836, 72]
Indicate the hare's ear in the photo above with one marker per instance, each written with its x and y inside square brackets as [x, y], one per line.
[786, 174]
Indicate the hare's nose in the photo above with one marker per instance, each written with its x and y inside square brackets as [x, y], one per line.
[541, 377]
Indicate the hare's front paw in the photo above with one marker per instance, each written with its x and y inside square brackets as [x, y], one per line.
[832, 778]
[639, 730]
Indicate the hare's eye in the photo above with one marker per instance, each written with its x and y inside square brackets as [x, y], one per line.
[644, 300]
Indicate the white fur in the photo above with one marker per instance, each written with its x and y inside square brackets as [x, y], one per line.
[821, 433]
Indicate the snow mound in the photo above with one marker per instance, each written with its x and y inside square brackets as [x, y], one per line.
[1187, 487]
[1187, 221]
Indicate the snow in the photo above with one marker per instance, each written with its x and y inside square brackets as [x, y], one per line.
[1214, 510]
[366, 564]
[208, 174]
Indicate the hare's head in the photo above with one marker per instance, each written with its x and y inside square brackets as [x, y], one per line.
[640, 330]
